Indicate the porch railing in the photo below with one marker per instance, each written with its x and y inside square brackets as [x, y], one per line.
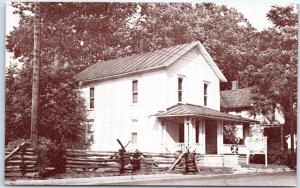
[197, 147]
[234, 149]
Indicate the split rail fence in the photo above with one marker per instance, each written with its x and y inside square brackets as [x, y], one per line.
[22, 161]
[128, 162]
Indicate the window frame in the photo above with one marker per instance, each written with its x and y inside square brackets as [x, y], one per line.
[180, 89]
[92, 98]
[89, 132]
[134, 91]
[181, 133]
[136, 138]
[205, 94]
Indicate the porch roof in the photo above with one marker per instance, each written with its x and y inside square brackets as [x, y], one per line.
[181, 110]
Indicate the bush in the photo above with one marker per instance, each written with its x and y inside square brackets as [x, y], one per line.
[276, 157]
[14, 144]
[50, 155]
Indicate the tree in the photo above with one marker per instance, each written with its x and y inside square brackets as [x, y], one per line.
[230, 134]
[274, 74]
[76, 35]
[65, 50]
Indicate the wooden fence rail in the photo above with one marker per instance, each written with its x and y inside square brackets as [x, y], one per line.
[24, 162]
[128, 162]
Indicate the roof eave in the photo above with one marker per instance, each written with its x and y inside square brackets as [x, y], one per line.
[121, 75]
[211, 63]
[244, 120]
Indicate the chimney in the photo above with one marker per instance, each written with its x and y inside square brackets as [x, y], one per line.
[235, 85]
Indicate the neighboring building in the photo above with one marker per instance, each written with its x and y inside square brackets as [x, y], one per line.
[240, 102]
[160, 101]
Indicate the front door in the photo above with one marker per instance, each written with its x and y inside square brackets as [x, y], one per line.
[211, 137]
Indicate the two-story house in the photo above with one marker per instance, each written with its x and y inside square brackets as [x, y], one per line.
[160, 101]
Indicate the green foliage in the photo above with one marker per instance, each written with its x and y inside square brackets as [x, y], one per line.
[229, 134]
[62, 110]
[273, 73]
[78, 34]
[283, 16]
[50, 154]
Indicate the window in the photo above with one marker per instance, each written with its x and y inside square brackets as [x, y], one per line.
[134, 131]
[89, 133]
[181, 133]
[92, 97]
[180, 89]
[205, 94]
[134, 138]
[134, 91]
[197, 131]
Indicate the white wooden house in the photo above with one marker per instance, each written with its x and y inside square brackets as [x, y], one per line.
[160, 101]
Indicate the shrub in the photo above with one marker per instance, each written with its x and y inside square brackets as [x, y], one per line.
[16, 143]
[50, 155]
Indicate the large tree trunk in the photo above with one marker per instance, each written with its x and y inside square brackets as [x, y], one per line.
[36, 76]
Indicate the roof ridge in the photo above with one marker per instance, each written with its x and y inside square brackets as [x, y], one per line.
[186, 105]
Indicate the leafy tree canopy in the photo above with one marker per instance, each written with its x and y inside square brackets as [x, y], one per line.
[78, 34]
[274, 71]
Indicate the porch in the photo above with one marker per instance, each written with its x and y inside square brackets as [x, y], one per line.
[200, 129]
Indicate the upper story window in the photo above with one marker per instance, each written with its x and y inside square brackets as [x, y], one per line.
[180, 80]
[205, 93]
[92, 97]
[134, 91]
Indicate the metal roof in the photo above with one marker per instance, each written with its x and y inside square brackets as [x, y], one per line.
[144, 62]
[239, 98]
[181, 110]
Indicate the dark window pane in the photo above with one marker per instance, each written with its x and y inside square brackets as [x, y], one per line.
[205, 89]
[134, 138]
[179, 96]
[179, 83]
[92, 92]
[134, 86]
[197, 131]
[181, 133]
[205, 100]
[134, 97]
[92, 103]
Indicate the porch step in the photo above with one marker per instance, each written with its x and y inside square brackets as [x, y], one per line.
[218, 161]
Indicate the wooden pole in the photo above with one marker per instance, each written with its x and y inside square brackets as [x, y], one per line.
[292, 160]
[36, 76]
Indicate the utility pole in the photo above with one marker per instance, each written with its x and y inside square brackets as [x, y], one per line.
[35, 77]
[292, 157]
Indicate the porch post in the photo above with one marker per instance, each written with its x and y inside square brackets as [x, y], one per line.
[220, 137]
[192, 131]
[202, 135]
[187, 130]
[163, 131]
[245, 132]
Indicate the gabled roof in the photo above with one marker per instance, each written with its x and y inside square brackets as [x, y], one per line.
[144, 62]
[240, 98]
[181, 110]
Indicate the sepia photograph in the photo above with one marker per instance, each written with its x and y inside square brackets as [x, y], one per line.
[151, 93]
